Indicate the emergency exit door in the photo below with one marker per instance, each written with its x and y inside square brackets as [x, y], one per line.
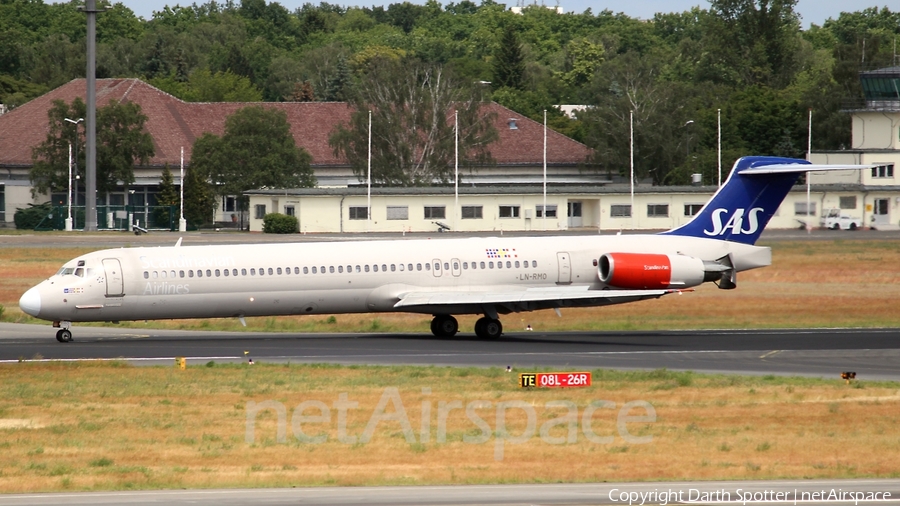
[565, 268]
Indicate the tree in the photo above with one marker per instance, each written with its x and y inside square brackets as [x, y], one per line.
[509, 61]
[168, 196]
[257, 150]
[122, 142]
[412, 108]
[199, 197]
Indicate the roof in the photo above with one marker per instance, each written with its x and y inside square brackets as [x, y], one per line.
[174, 124]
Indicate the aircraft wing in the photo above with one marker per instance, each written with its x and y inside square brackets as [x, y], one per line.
[526, 300]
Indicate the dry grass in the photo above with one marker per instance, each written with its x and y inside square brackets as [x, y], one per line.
[89, 426]
[843, 283]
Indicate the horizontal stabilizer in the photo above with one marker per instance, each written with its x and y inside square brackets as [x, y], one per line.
[791, 168]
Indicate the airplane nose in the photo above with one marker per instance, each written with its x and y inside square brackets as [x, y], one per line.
[30, 302]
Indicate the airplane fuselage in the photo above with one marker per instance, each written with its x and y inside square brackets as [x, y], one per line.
[340, 277]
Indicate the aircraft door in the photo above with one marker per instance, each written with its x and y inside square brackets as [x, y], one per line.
[454, 265]
[115, 285]
[565, 269]
[436, 268]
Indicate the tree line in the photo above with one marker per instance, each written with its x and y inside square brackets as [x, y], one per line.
[749, 59]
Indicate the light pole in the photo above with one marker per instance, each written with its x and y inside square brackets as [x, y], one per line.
[687, 142]
[75, 123]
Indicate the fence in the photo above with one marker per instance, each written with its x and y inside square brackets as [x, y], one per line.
[115, 218]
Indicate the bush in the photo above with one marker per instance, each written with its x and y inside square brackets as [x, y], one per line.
[276, 223]
[31, 216]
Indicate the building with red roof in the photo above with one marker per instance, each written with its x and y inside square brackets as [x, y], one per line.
[175, 125]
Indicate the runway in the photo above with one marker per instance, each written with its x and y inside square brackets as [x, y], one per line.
[756, 493]
[872, 354]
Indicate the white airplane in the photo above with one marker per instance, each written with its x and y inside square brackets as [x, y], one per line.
[489, 276]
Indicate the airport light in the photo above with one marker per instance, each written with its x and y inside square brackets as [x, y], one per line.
[74, 122]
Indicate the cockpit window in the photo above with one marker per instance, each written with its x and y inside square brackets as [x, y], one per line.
[79, 272]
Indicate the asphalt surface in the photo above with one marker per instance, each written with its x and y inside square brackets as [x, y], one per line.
[872, 354]
[806, 492]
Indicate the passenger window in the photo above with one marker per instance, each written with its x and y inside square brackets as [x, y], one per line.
[306, 270]
[155, 274]
[446, 266]
[331, 269]
[322, 270]
[465, 265]
[409, 267]
[367, 268]
[383, 267]
[418, 267]
[499, 265]
[517, 264]
[534, 263]
[428, 266]
[456, 266]
[375, 268]
[172, 274]
[180, 274]
[296, 270]
[314, 270]
[162, 274]
[146, 275]
[226, 273]
[243, 272]
[482, 265]
[393, 267]
[278, 271]
[271, 271]
[491, 265]
[401, 267]
[209, 273]
[340, 269]
[234, 272]
[217, 273]
[508, 264]
[199, 273]
[190, 273]
[253, 272]
[350, 269]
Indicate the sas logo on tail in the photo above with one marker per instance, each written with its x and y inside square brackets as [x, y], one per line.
[736, 222]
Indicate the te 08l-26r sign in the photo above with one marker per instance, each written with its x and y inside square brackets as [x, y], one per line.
[554, 379]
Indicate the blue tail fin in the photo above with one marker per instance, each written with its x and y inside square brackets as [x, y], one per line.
[751, 195]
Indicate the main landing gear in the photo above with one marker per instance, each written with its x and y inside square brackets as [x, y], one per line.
[444, 325]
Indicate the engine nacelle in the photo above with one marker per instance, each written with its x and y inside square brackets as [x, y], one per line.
[640, 271]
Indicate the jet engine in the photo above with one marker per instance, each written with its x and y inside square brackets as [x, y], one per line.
[640, 271]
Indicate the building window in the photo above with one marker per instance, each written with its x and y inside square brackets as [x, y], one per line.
[229, 204]
[397, 212]
[260, 211]
[359, 213]
[620, 211]
[509, 211]
[657, 210]
[692, 209]
[435, 212]
[801, 210]
[848, 202]
[289, 210]
[883, 171]
[472, 212]
[551, 211]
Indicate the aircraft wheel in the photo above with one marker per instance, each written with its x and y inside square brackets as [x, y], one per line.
[64, 336]
[444, 326]
[853, 226]
[488, 328]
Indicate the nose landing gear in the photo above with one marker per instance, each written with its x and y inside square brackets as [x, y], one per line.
[64, 336]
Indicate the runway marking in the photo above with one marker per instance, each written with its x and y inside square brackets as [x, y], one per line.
[769, 354]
